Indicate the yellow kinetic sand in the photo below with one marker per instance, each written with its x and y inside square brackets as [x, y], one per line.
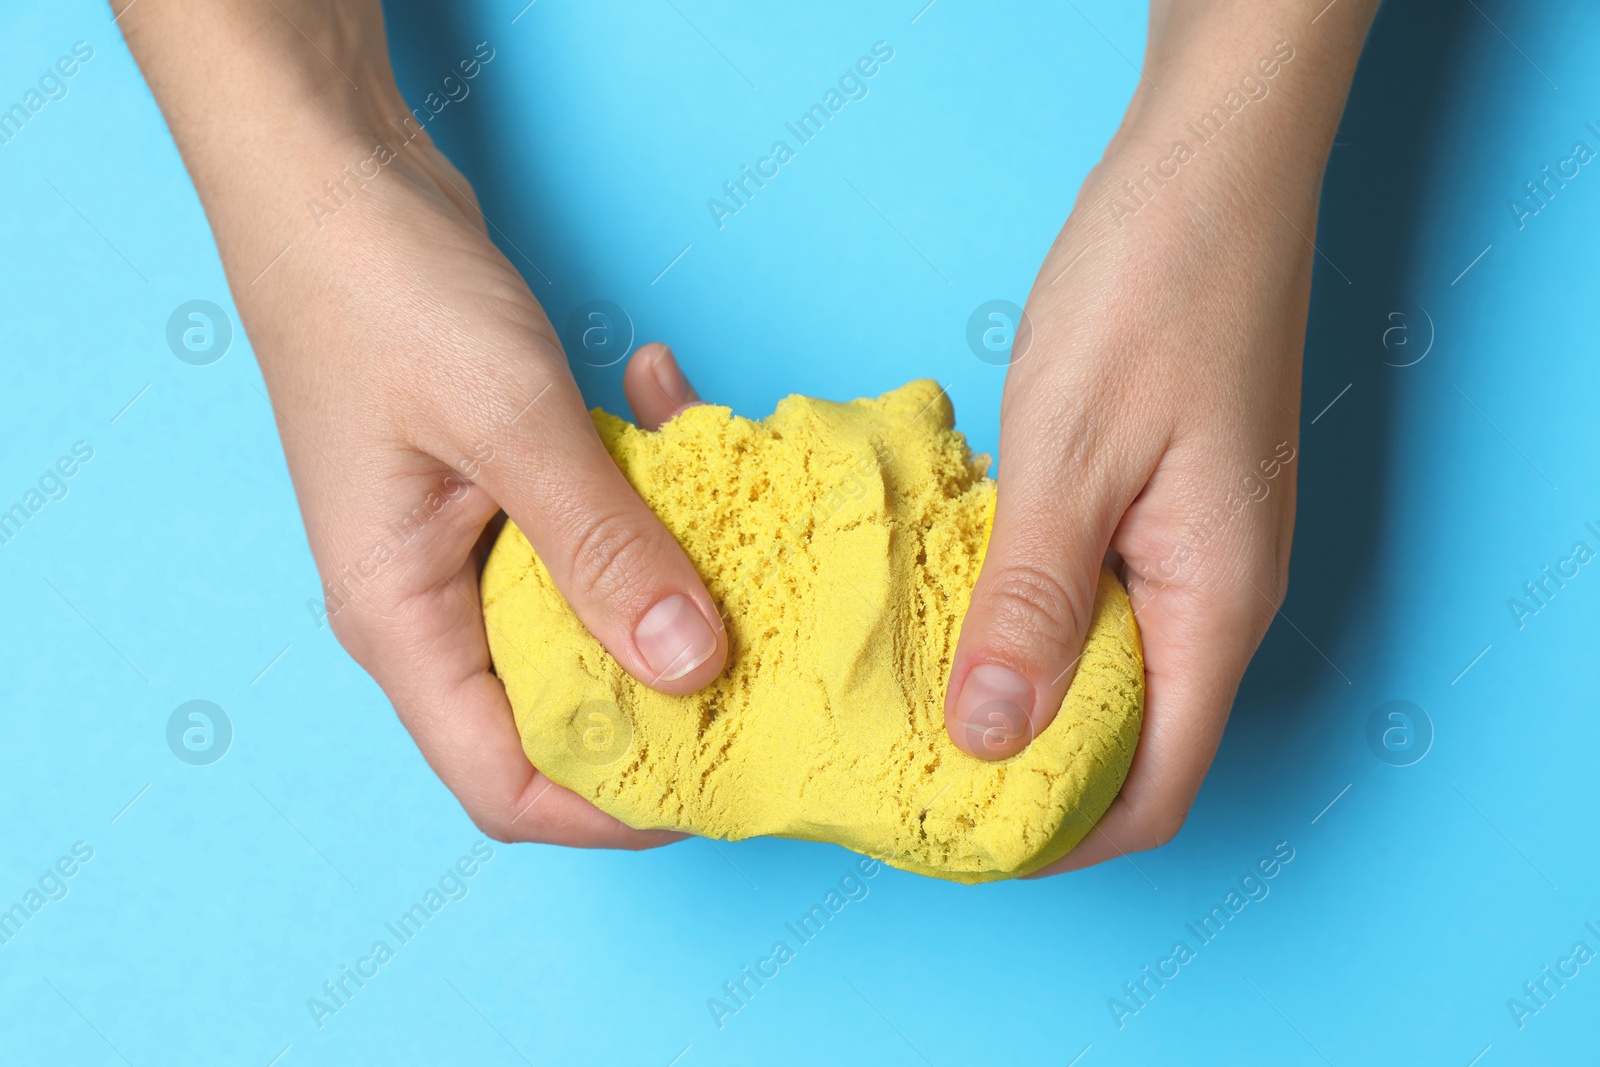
[842, 542]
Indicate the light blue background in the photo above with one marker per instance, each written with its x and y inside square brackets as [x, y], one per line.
[224, 896]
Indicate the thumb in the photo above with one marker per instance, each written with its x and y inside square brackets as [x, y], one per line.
[620, 569]
[1024, 629]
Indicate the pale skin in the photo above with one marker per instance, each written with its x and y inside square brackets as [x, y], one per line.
[410, 367]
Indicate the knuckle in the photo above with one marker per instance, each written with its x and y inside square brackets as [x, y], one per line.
[1279, 565]
[611, 558]
[1265, 615]
[1161, 827]
[529, 816]
[346, 632]
[1028, 602]
[503, 822]
[354, 632]
[493, 825]
[1278, 587]
[636, 845]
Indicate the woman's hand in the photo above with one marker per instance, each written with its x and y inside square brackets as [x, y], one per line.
[420, 392]
[1151, 411]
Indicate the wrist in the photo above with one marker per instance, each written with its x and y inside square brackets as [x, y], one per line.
[1236, 110]
[1203, 55]
[263, 87]
[284, 111]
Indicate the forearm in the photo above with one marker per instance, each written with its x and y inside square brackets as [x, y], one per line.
[1239, 100]
[265, 100]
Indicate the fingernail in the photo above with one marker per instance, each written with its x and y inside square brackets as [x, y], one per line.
[991, 713]
[674, 638]
[670, 380]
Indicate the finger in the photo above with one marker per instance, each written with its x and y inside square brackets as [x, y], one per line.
[1061, 495]
[428, 652]
[1197, 644]
[619, 568]
[655, 386]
